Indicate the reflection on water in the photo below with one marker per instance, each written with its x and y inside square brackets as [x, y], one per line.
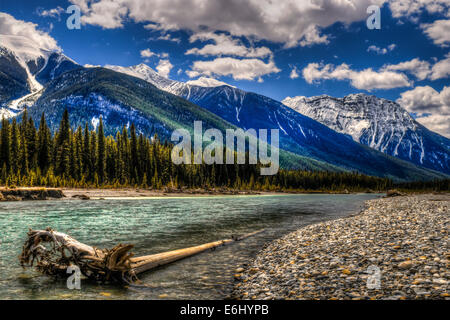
[158, 225]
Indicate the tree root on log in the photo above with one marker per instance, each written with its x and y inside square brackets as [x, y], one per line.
[104, 265]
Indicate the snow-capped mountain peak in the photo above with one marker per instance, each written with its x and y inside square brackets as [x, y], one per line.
[26, 69]
[378, 123]
[144, 72]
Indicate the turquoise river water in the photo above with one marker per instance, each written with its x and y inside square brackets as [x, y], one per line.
[158, 225]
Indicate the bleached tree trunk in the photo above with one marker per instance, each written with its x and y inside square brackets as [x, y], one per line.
[116, 264]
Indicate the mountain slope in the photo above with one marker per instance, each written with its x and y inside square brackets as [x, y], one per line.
[298, 134]
[24, 70]
[121, 100]
[380, 124]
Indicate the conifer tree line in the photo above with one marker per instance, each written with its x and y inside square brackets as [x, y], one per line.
[34, 156]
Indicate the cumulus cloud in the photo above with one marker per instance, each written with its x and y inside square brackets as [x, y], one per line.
[381, 51]
[168, 37]
[147, 53]
[245, 69]
[420, 69]
[24, 38]
[431, 107]
[290, 22]
[423, 69]
[51, 13]
[207, 82]
[366, 79]
[294, 73]
[437, 123]
[164, 67]
[412, 8]
[441, 69]
[225, 45]
[439, 32]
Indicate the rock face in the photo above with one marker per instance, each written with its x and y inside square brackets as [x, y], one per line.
[396, 249]
[380, 124]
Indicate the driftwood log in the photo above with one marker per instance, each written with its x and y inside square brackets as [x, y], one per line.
[106, 265]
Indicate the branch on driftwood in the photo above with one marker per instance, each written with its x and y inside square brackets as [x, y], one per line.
[116, 264]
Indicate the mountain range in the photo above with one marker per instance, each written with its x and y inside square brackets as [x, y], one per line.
[377, 123]
[50, 82]
[380, 124]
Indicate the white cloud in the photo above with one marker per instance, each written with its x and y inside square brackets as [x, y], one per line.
[164, 67]
[207, 82]
[441, 69]
[108, 14]
[225, 45]
[147, 53]
[437, 123]
[245, 69]
[432, 107]
[312, 36]
[168, 37]
[294, 73]
[420, 69]
[290, 22]
[411, 8]
[439, 32]
[423, 69]
[52, 13]
[24, 38]
[366, 79]
[382, 51]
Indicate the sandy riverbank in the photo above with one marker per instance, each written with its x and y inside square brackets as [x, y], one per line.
[403, 239]
[37, 193]
[146, 193]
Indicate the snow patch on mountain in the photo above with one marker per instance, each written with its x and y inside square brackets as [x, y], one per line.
[207, 82]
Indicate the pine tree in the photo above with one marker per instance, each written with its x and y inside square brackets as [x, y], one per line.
[134, 153]
[44, 145]
[101, 153]
[5, 146]
[63, 147]
[87, 152]
[14, 147]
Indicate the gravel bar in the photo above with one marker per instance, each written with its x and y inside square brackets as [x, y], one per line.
[396, 249]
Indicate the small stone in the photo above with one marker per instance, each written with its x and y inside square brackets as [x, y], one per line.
[406, 264]
[439, 281]
[346, 271]
[253, 270]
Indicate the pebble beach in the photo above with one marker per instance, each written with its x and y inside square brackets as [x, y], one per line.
[396, 249]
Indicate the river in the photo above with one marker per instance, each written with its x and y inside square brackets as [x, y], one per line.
[158, 225]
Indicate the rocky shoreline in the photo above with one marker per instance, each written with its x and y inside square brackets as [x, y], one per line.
[396, 249]
[29, 194]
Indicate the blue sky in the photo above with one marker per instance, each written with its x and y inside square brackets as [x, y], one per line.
[278, 50]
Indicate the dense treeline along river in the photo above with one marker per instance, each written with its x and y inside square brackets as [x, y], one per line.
[158, 225]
